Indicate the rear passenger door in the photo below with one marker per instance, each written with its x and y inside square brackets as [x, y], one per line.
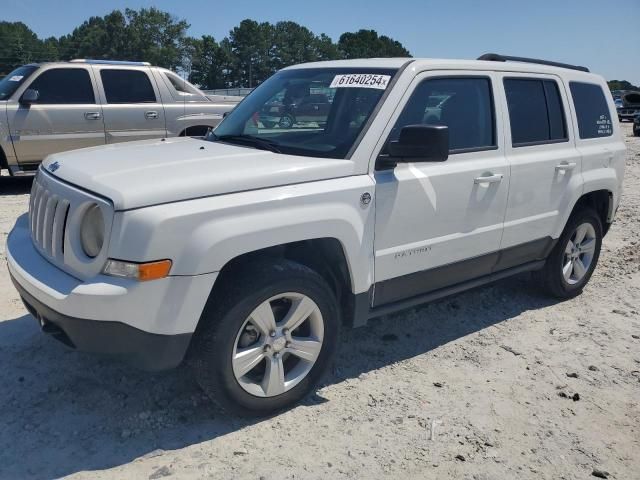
[440, 223]
[131, 104]
[545, 164]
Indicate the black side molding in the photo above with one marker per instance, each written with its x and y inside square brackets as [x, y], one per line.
[495, 57]
[458, 288]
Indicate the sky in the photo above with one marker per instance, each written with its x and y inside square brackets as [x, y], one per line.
[598, 34]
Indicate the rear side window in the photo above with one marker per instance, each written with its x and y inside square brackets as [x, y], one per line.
[181, 87]
[464, 104]
[64, 86]
[127, 86]
[594, 119]
[536, 114]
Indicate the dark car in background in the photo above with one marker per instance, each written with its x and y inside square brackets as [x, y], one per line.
[311, 108]
[628, 105]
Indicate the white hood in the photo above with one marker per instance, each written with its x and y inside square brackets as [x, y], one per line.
[139, 174]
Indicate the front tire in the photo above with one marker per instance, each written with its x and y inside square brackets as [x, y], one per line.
[286, 121]
[574, 258]
[268, 337]
[636, 131]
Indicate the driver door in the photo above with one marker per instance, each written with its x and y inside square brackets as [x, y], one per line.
[440, 223]
[66, 115]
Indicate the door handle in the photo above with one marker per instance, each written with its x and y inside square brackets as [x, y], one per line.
[151, 115]
[566, 167]
[92, 115]
[489, 179]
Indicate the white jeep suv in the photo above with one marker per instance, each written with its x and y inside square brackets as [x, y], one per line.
[246, 251]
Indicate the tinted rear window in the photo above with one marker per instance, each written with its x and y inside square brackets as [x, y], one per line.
[535, 111]
[594, 119]
[127, 86]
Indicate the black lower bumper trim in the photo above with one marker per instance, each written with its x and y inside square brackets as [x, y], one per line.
[144, 350]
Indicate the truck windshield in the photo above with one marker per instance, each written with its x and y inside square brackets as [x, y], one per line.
[315, 112]
[11, 82]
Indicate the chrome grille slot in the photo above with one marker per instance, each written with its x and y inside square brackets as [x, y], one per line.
[59, 228]
[47, 223]
[48, 215]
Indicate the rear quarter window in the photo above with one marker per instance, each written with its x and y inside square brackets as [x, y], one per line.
[592, 110]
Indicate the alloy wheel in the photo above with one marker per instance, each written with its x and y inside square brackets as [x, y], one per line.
[578, 253]
[278, 344]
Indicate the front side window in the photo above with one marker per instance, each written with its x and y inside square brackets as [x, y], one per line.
[536, 114]
[10, 83]
[64, 86]
[317, 112]
[127, 86]
[594, 119]
[464, 104]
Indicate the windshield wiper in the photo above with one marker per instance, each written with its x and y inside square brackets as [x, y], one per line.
[261, 143]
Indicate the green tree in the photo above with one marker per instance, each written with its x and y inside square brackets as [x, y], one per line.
[155, 36]
[145, 35]
[250, 54]
[251, 45]
[326, 49]
[367, 44]
[20, 45]
[206, 60]
[98, 37]
[621, 85]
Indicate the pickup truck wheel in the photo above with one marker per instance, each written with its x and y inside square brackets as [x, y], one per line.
[636, 131]
[268, 338]
[573, 260]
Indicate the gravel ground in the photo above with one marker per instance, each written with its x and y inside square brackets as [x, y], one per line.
[500, 382]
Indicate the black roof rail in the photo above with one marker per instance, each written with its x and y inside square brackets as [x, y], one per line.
[494, 57]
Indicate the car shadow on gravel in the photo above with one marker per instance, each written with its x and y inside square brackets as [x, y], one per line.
[15, 185]
[64, 412]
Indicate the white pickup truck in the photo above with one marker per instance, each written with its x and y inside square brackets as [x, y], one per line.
[245, 252]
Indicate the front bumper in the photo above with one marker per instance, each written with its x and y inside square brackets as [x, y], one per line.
[628, 113]
[148, 324]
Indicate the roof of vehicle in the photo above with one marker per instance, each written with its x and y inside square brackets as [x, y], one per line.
[420, 64]
[83, 61]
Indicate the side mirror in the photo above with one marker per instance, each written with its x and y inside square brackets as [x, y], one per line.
[417, 143]
[29, 96]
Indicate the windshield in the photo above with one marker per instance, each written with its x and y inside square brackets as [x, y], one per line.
[11, 82]
[315, 112]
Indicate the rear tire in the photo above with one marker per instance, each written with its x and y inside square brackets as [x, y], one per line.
[574, 258]
[234, 328]
[636, 131]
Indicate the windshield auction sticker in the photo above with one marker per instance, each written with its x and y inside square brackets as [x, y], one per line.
[16, 78]
[360, 80]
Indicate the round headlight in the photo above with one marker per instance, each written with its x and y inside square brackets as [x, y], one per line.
[92, 231]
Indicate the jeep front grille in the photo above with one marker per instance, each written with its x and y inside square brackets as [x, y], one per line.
[48, 215]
